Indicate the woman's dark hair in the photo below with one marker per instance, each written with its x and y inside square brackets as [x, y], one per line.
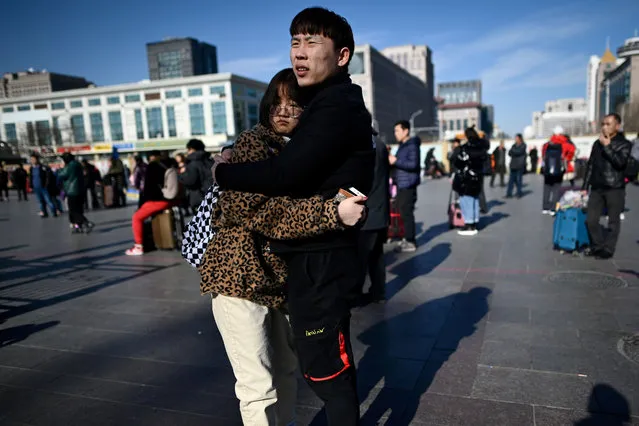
[286, 82]
[138, 159]
[324, 22]
[471, 133]
[67, 157]
[195, 144]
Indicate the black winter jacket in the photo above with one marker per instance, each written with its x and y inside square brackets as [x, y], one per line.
[517, 155]
[607, 164]
[379, 197]
[197, 176]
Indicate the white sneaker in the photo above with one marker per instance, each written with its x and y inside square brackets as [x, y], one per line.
[545, 212]
[622, 216]
[467, 231]
[136, 250]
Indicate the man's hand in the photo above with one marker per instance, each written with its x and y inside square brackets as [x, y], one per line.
[392, 159]
[604, 139]
[352, 210]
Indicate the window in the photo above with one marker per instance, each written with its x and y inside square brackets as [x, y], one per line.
[451, 126]
[76, 104]
[217, 90]
[24, 107]
[77, 126]
[196, 112]
[10, 132]
[43, 132]
[94, 102]
[170, 64]
[139, 126]
[357, 64]
[172, 94]
[152, 96]
[170, 119]
[97, 130]
[465, 124]
[459, 125]
[7, 109]
[196, 91]
[240, 116]
[115, 124]
[219, 117]
[154, 122]
[570, 107]
[131, 98]
[56, 131]
[113, 100]
[444, 127]
[252, 93]
[57, 105]
[252, 115]
[238, 89]
[40, 106]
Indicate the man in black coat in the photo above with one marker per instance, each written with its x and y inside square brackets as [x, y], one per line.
[331, 149]
[518, 156]
[499, 155]
[375, 229]
[195, 175]
[19, 179]
[605, 176]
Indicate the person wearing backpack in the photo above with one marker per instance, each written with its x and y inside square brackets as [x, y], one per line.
[161, 191]
[196, 174]
[553, 167]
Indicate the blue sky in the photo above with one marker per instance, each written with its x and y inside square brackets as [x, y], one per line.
[525, 52]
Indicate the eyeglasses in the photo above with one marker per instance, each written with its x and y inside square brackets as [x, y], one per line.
[292, 111]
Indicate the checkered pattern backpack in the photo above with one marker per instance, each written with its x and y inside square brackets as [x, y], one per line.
[199, 231]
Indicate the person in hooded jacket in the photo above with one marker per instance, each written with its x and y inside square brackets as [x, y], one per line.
[468, 181]
[196, 174]
[72, 178]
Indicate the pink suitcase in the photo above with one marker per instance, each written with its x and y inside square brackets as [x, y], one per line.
[455, 218]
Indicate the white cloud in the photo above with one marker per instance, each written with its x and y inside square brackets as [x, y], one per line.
[256, 67]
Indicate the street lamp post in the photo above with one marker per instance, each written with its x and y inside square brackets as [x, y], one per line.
[411, 120]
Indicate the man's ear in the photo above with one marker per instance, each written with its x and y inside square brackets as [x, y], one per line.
[344, 56]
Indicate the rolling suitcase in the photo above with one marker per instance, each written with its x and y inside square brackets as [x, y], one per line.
[455, 217]
[108, 195]
[396, 227]
[569, 230]
[164, 230]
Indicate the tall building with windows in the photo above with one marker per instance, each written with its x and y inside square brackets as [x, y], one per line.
[570, 114]
[461, 107]
[591, 88]
[180, 57]
[134, 117]
[31, 82]
[390, 92]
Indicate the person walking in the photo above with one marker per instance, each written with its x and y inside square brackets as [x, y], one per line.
[91, 178]
[517, 155]
[4, 183]
[605, 177]
[19, 179]
[118, 180]
[375, 229]
[407, 166]
[554, 167]
[330, 150]
[534, 160]
[469, 161]
[39, 182]
[499, 156]
[72, 178]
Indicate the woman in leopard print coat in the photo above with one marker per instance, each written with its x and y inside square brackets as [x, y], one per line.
[246, 280]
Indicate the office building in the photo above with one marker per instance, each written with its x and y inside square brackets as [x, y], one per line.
[161, 114]
[417, 60]
[570, 114]
[180, 57]
[31, 82]
[591, 88]
[393, 94]
[461, 107]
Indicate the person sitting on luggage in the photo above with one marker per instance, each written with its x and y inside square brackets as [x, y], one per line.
[469, 160]
[161, 192]
[553, 169]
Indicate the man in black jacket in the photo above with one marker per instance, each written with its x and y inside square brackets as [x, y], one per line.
[375, 229]
[499, 155]
[605, 178]
[196, 174]
[517, 155]
[331, 149]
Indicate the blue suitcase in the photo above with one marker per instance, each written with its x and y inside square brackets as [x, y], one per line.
[570, 232]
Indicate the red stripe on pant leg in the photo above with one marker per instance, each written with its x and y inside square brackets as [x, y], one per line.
[343, 356]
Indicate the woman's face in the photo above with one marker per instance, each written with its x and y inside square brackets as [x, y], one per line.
[285, 115]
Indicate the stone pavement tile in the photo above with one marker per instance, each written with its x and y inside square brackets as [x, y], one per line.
[509, 314]
[25, 378]
[394, 373]
[446, 410]
[547, 416]
[628, 322]
[563, 360]
[25, 357]
[506, 354]
[532, 387]
[575, 319]
[450, 373]
[532, 335]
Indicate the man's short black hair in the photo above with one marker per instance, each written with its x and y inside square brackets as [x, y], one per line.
[404, 124]
[471, 133]
[284, 80]
[321, 21]
[518, 135]
[616, 116]
[195, 144]
[155, 153]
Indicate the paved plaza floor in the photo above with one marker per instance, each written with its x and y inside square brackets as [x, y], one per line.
[496, 329]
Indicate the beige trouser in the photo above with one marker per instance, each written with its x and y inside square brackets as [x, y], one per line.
[259, 344]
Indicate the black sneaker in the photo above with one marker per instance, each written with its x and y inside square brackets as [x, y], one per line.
[604, 254]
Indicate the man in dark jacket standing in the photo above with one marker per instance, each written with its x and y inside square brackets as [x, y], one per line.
[518, 156]
[39, 181]
[605, 178]
[330, 149]
[4, 184]
[407, 165]
[196, 174]
[19, 179]
[499, 156]
[375, 229]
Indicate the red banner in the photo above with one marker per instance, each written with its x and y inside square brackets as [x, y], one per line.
[74, 148]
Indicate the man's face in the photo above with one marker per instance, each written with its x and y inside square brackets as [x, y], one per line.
[190, 151]
[34, 161]
[502, 144]
[517, 140]
[400, 133]
[315, 59]
[609, 126]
